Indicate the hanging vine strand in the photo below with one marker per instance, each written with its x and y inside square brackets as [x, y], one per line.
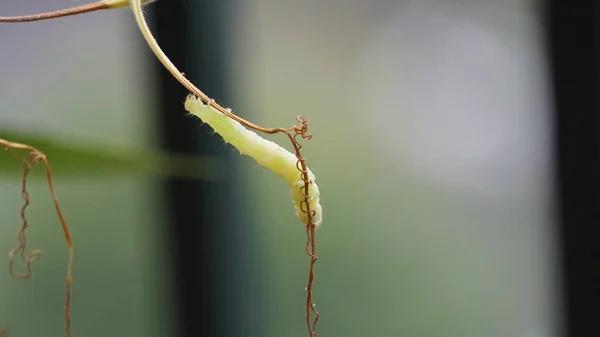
[32, 158]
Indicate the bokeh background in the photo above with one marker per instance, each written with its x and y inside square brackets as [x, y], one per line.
[431, 149]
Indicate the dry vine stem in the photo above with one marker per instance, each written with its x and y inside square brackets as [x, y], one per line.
[32, 158]
[292, 133]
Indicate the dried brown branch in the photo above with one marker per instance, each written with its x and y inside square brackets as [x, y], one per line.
[82, 9]
[56, 14]
[33, 157]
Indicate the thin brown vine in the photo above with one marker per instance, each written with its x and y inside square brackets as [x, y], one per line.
[33, 157]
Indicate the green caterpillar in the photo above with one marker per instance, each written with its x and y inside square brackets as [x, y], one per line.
[265, 152]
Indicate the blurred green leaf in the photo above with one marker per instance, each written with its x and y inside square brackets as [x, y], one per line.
[92, 160]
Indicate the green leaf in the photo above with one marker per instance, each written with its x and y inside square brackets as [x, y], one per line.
[93, 160]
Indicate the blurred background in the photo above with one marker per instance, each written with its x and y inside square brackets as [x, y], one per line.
[432, 150]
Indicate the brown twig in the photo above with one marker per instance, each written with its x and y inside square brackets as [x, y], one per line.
[87, 8]
[310, 247]
[34, 156]
[100, 5]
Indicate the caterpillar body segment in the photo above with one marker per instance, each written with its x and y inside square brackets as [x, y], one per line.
[266, 153]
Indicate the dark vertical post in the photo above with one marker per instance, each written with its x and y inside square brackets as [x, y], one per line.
[573, 41]
[202, 216]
